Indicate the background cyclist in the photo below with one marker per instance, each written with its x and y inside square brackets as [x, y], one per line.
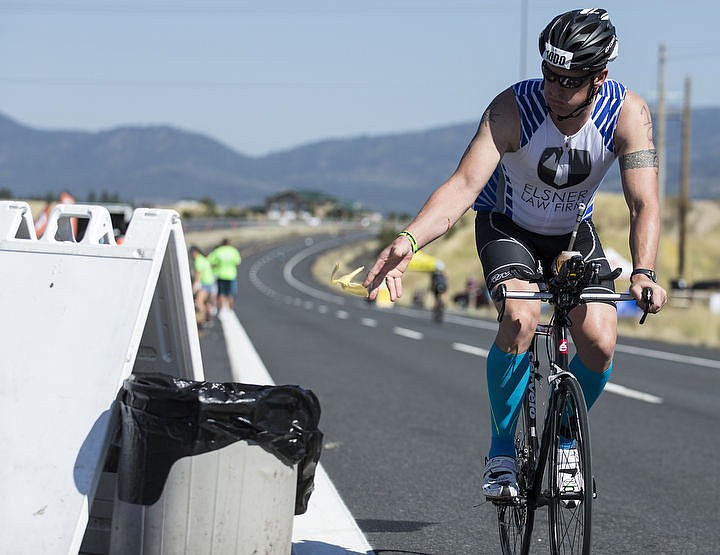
[438, 286]
[542, 147]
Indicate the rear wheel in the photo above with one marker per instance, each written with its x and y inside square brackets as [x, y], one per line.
[569, 473]
[515, 520]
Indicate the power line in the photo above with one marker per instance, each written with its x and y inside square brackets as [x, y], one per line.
[212, 8]
[207, 84]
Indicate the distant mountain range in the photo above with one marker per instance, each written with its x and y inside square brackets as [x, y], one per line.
[388, 173]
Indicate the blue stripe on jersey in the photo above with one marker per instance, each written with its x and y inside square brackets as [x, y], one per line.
[508, 199]
[605, 114]
[487, 199]
[531, 104]
[507, 190]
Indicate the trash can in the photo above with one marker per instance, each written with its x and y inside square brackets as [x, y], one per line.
[208, 467]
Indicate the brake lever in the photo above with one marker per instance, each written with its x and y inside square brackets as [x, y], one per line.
[498, 295]
[647, 295]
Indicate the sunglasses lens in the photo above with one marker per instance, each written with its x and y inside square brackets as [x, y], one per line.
[571, 82]
[563, 81]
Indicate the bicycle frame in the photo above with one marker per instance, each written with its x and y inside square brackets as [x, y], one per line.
[559, 362]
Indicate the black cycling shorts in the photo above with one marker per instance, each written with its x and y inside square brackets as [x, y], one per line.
[502, 244]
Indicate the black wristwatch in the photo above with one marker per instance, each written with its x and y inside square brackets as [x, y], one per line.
[644, 271]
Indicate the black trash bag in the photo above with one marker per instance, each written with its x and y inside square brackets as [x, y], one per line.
[164, 419]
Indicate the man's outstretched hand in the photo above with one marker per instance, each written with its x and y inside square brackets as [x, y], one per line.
[390, 266]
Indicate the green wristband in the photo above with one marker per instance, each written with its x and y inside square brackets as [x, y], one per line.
[413, 241]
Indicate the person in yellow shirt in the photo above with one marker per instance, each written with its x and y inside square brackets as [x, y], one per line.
[225, 260]
[203, 284]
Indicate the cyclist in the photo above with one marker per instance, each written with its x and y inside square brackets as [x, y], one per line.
[542, 147]
[438, 286]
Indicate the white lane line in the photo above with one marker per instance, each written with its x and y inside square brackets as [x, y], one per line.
[245, 363]
[470, 349]
[328, 527]
[663, 355]
[632, 393]
[369, 322]
[342, 314]
[410, 334]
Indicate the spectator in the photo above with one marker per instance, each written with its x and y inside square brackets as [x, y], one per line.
[203, 282]
[225, 260]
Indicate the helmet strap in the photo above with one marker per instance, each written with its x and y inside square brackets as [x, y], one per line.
[575, 113]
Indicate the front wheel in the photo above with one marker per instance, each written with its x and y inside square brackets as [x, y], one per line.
[569, 473]
[438, 311]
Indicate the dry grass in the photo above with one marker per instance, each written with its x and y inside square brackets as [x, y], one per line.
[692, 323]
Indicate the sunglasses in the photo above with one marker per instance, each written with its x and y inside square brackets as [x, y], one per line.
[563, 80]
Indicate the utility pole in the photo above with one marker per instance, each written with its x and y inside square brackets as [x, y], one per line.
[684, 181]
[661, 118]
[523, 38]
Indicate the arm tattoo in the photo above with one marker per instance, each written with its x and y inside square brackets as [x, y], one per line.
[645, 113]
[639, 159]
[490, 115]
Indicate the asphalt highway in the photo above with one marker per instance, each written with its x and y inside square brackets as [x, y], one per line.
[406, 417]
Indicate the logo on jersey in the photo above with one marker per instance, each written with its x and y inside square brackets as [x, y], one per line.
[560, 168]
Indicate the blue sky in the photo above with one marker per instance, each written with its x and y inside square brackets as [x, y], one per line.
[262, 76]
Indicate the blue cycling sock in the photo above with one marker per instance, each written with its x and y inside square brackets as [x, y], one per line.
[507, 377]
[592, 383]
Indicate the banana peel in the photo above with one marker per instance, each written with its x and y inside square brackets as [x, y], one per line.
[345, 283]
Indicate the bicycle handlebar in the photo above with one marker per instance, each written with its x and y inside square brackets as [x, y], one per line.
[500, 294]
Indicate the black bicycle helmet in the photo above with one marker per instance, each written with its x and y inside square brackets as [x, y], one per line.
[581, 40]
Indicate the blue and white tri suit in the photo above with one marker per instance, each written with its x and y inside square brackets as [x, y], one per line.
[540, 185]
[532, 197]
[526, 213]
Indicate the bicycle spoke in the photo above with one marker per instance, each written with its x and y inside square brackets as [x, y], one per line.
[569, 475]
[511, 525]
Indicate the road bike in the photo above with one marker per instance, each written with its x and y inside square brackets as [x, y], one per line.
[545, 462]
[554, 470]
